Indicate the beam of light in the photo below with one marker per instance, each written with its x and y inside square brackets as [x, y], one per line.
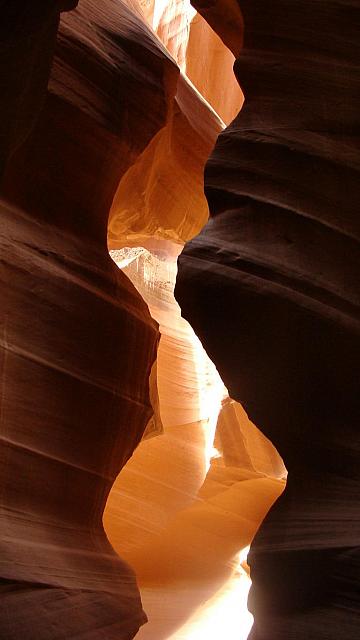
[225, 615]
[242, 557]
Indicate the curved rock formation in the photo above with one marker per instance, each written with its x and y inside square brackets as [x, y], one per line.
[271, 288]
[77, 341]
[115, 159]
[191, 499]
[73, 404]
[209, 65]
[73, 410]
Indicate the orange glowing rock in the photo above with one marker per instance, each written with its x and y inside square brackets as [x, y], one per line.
[190, 499]
[115, 159]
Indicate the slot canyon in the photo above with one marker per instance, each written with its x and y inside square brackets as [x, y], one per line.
[179, 320]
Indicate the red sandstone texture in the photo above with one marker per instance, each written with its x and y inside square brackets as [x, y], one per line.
[77, 341]
[74, 406]
[103, 143]
[271, 287]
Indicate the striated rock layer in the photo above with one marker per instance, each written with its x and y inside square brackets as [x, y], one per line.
[115, 131]
[271, 288]
[77, 340]
[122, 134]
[27, 41]
[73, 409]
[190, 500]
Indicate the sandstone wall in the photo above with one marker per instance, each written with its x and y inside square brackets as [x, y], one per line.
[271, 287]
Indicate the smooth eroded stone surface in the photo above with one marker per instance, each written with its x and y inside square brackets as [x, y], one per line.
[212, 70]
[73, 409]
[27, 41]
[189, 501]
[77, 340]
[271, 288]
[161, 195]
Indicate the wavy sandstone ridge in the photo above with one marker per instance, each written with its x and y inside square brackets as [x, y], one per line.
[77, 341]
[74, 406]
[271, 288]
[189, 501]
[105, 128]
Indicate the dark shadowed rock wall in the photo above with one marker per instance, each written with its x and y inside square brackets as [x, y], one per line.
[271, 288]
[77, 341]
[27, 41]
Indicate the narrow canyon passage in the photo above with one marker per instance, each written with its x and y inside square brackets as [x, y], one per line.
[190, 500]
[186, 506]
[78, 345]
[280, 255]
[179, 269]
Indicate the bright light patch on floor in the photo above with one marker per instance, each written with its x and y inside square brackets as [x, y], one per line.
[223, 615]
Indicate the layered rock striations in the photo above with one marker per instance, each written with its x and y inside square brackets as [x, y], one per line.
[271, 288]
[182, 509]
[27, 41]
[117, 121]
[190, 500]
[73, 409]
[111, 154]
[77, 341]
